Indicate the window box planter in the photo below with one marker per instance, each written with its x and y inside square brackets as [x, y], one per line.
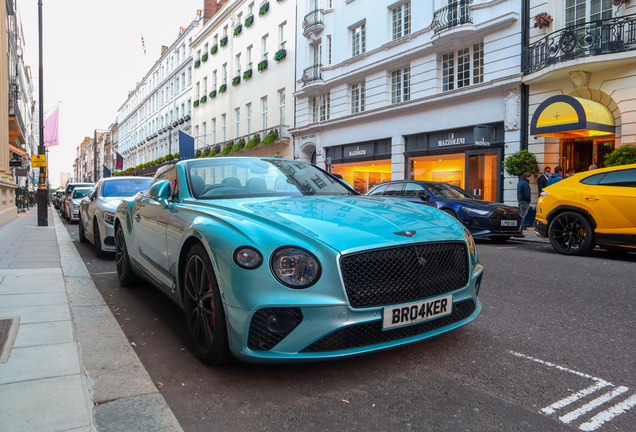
[238, 29]
[214, 49]
[236, 81]
[222, 88]
[247, 74]
[205, 57]
[227, 149]
[256, 140]
[204, 98]
[223, 41]
[238, 146]
[212, 94]
[270, 137]
[197, 63]
[263, 9]
[262, 66]
[249, 20]
[280, 55]
[196, 103]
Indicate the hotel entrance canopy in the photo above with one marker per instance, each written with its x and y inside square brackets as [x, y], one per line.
[571, 117]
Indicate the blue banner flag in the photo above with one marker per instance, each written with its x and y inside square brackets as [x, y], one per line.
[186, 146]
[106, 171]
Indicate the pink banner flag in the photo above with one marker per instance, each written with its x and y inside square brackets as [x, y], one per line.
[52, 129]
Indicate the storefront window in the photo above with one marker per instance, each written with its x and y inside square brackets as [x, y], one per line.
[581, 153]
[364, 175]
[444, 169]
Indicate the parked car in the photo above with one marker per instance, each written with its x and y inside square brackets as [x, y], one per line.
[67, 193]
[56, 199]
[97, 210]
[592, 207]
[483, 218]
[71, 209]
[276, 260]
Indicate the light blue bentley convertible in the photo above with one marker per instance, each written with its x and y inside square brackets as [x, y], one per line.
[276, 260]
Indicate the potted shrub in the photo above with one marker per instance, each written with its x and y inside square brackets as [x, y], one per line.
[236, 81]
[238, 146]
[222, 88]
[227, 149]
[195, 103]
[247, 74]
[263, 9]
[197, 155]
[223, 41]
[238, 29]
[542, 20]
[212, 94]
[214, 49]
[175, 155]
[280, 55]
[204, 57]
[520, 162]
[197, 63]
[249, 20]
[262, 66]
[623, 155]
[213, 152]
[204, 98]
[256, 139]
[270, 137]
[204, 154]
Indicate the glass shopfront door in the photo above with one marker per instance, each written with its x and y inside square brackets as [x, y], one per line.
[482, 176]
[581, 153]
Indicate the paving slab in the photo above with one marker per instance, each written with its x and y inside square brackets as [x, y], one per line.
[53, 404]
[27, 363]
[26, 265]
[27, 300]
[82, 292]
[39, 334]
[31, 272]
[136, 414]
[38, 314]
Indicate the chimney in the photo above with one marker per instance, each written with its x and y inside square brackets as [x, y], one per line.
[163, 49]
[210, 8]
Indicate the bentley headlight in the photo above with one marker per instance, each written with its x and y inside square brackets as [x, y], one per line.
[471, 244]
[109, 217]
[476, 212]
[248, 258]
[295, 267]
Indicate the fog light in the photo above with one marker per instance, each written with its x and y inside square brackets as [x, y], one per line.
[280, 322]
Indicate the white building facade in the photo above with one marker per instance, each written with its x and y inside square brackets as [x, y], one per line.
[160, 105]
[244, 60]
[580, 55]
[426, 90]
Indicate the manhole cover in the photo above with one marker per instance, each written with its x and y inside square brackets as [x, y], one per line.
[8, 331]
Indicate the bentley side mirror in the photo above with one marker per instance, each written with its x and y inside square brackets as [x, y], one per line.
[160, 191]
[423, 195]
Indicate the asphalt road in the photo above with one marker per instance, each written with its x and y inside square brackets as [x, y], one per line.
[553, 350]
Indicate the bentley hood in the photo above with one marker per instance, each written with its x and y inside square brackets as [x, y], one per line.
[343, 222]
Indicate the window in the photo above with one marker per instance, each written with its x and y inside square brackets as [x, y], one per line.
[224, 31]
[190, 44]
[224, 72]
[264, 47]
[198, 91]
[250, 9]
[394, 189]
[189, 75]
[183, 84]
[198, 55]
[328, 50]
[214, 131]
[281, 36]
[317, 54]
[223, 128]
[239, 17]
[581, 11]
[358, 40]
[264, 113]
[412, 189]
[205, 86]
[196, 135]
[177, 83]
[281, 107]
[214, 80]
[238, 64]
[321, 107]
[216, 39]
[378, 190]
[237, 119]
[205, 133]
[248, 112]
[458, 70]
[401, 85]
[623, 178]
[357, 97]
[249, 57]
[401, 20]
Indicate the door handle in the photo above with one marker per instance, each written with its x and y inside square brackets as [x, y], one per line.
[592, 198]
[137, 217]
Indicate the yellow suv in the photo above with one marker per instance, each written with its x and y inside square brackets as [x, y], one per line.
[593, 207]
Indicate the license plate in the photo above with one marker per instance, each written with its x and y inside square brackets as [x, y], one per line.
[412, 313]
[508, 223]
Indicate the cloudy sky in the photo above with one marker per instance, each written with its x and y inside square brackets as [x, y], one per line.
[93, 57]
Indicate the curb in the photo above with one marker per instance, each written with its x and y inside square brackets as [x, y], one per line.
[123, 394]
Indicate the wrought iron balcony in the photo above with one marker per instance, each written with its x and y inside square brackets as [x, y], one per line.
[312, 74]
[589, 39]
[14, 112]
[313, 21]
[456, 13]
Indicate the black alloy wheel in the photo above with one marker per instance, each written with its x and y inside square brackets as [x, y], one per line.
[99, 252]
[203, 308]
[82, 235]
[125, 273]
[571, 233]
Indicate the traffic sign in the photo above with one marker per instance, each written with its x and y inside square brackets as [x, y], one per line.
[38, 161]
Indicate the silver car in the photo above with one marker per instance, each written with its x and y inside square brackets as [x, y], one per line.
[73, 202]
[97, 210]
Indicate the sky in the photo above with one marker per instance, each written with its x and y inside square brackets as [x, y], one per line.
[93, 57]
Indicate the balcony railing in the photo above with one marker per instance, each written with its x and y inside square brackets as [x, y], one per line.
[588, 39]
[312, 74]
[456, 13]
[313, 19]
[14, 108]
[281, 129]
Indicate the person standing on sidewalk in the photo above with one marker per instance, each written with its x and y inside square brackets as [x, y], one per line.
[524, 196]
[556, 177]
[542, 181]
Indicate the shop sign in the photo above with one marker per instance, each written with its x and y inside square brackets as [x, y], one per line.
[22, 172]
[359, 150]
[451, 141]
[483, 135]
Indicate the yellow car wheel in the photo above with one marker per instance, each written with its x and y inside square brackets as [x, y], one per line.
[570, 233]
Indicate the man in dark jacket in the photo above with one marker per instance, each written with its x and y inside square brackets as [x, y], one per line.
[542, 181]
[556, 177]
[523, 195]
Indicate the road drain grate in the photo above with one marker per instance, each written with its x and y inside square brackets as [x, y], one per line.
[8, 331]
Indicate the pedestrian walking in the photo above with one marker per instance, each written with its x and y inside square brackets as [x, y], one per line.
[542, 181]
[569, 172]
[524, 196]
[556, 177]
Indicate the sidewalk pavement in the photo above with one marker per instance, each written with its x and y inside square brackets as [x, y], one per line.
[530, 236]
[70, 366]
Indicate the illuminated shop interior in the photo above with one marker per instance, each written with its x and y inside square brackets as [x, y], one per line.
[364, 175]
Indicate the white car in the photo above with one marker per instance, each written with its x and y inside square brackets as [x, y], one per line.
[72, 204]
[97, 210]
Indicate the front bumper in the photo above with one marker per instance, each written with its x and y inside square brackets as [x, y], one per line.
[540, 228]
[107, 235]
[331, 332]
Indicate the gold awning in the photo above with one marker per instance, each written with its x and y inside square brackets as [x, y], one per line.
[571, 117]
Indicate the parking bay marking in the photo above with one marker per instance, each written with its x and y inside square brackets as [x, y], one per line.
[599, 419]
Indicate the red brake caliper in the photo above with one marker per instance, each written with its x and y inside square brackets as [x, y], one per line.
[211, 305]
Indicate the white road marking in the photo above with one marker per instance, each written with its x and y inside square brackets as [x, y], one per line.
[605, 416]
[555, 366]
[568, 418]
[573, 398]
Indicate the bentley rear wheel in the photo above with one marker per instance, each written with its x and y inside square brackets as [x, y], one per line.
[125, 272]
[571, 234]
[203, 308]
